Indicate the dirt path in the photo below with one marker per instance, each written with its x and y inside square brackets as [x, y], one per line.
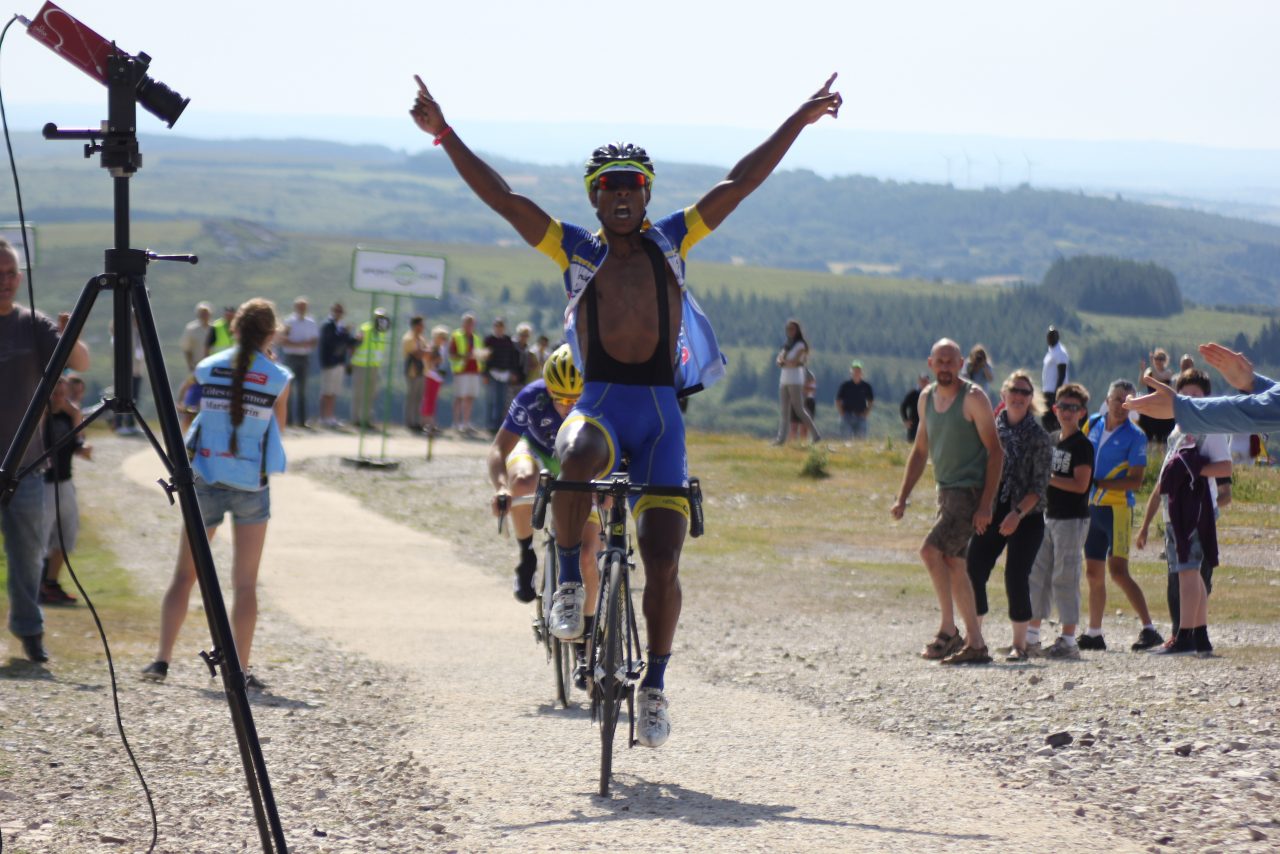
[744, 770]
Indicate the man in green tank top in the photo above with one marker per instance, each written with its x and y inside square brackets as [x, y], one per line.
[958, 433]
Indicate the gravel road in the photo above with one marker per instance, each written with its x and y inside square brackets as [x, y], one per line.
[410, 711]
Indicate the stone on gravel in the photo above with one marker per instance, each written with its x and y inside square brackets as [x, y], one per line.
[1059, 739]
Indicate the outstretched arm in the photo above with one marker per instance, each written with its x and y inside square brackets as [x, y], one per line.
[529, 220]
[751, 170]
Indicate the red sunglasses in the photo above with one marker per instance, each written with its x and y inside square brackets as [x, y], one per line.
[622, 181]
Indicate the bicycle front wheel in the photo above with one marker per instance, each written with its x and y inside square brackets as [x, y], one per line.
[611, 683]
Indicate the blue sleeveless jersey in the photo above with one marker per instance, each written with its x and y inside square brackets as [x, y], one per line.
[259, 451]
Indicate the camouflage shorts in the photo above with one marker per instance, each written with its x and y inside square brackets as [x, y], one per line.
[954, 524]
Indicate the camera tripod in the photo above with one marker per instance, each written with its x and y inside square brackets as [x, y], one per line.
[125, 278]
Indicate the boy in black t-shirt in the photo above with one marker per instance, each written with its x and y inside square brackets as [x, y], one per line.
[1055, 578]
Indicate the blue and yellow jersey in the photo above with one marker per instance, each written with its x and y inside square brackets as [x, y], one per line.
[579, 254]
[1124, 449]
[533, 416]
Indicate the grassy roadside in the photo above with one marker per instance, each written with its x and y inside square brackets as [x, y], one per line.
[834, 536]
[128, 616]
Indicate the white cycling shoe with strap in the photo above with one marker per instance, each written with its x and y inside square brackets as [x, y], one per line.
[567, 621]
[653, 725]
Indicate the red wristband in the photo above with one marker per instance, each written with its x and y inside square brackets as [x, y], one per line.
[440, 136]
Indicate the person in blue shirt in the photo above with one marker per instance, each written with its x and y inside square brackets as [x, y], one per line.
[641, 341]
[523, 447]
[234, 444]
[1255, 410]
[1119, 465]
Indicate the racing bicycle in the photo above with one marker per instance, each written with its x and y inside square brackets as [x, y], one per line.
[614, 653]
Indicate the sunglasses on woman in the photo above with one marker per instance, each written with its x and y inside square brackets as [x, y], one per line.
[1020, 391]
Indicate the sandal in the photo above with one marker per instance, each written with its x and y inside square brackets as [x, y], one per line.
[969, 655]
[941, 646]
[1017, 655]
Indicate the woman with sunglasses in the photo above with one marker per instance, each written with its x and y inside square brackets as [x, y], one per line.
[1157, 429]
[1020, 503]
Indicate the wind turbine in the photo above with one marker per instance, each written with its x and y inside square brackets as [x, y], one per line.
[999, 170]
[968, 169]
[947, 158]
[1030, 163]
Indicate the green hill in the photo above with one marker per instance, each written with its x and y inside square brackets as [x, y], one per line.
[797, 220]
[887, 323]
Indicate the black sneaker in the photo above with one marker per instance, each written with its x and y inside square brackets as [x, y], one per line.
[1147, 638]
[1204, 649]
[156, 671]
[1183, 644]
[523, 585]
[33, 646]
[253, 683]
[51, 593]
[1091, 642]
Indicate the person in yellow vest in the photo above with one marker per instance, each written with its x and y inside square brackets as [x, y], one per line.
[466, 362]
[220, 337]
[366, 363]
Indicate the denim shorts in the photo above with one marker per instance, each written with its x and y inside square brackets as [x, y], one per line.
[246, 508]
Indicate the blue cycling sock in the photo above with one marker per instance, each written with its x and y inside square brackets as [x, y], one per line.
[568, 558]
[654, 671]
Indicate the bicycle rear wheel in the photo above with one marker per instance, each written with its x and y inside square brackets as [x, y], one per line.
[564, 659]
[612, 683]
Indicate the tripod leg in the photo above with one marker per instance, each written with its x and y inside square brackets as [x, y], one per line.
[255, 766]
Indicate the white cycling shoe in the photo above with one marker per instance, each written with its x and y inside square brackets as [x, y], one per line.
[653, 725]
[567, 621]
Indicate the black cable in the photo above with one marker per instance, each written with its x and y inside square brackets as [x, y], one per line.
[57, 504]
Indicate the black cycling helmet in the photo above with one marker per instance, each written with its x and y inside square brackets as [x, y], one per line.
[622, 156]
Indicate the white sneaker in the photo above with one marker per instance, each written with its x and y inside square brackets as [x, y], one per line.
[654, 725]
[567, 603]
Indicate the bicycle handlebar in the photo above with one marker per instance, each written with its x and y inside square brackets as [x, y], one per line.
[619, 487]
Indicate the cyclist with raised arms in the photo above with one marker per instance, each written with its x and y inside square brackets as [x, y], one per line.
[525, 445]
[641, 341]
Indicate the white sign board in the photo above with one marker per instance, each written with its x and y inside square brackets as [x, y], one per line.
[12, 232]
[397, 273]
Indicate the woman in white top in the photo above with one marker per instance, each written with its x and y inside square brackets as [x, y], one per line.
[792, 358]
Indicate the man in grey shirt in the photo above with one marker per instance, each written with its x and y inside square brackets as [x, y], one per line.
[301, 335]
[27, 340]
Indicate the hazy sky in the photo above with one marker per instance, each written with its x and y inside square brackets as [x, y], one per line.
[1192, 72]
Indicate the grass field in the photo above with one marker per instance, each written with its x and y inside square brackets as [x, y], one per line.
[830, 544]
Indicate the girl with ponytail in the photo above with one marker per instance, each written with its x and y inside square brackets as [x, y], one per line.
[234, 444]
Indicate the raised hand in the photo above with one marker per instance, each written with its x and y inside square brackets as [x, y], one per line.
[824, 102]
[1235, 367]
[1158, 404]
[426, 112]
